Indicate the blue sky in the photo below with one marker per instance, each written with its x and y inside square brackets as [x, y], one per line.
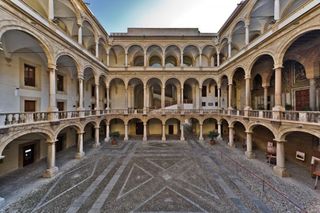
[118, 15]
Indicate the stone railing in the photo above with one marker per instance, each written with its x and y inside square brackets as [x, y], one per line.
[11, 119]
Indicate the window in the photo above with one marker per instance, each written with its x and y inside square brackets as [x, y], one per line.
[204, 91]
[60, 86]
[29, 75]
[203, 104]
[216, 91]
[29, 106]
[93, 89]
[60, 106]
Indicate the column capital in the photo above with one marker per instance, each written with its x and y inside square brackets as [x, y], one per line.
[51, 141]
[279, 140]
[277, 67]
[80, 132]
[231, 127]
[249, 132]
[52, 67]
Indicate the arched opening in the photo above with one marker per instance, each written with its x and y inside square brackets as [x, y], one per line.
[172, 56]
[135, 129]
[262, 96]
[224, 92]
[102, 52]
[238, 37]
[136, 56]
[154, 54]
[102, 92]
[209, 125]
[88, 37]
[24, 65]
[67, 84]
[173, 129]
[224, 50]
[117, 125]
[154, 90]
[301, 72]
[210, 56]
[89, 89]
[191, 94]
[24, 152]
[67, 139]
[289, 6]
[136, 94]
[172, 93]
[117, 89]
[225, 130]
[193, 125]
[209, 99]
[89, 136]
[239, 89]
[240, 136]
[190, 54]
[117, 56]
[154, 129]
[263, 144]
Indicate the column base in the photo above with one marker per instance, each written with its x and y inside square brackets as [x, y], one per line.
[79, 155]
[250, 155]
[96, 145]
[106, 139]
[201, 139]
[144, 139]
[182, 139]
[126, 139]
[49, 173]
[232, 145]
[280, 171]
[164, 139]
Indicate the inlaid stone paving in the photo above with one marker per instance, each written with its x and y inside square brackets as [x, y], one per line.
[160, 177]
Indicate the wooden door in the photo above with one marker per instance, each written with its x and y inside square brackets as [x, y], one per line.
[28, 154]
[302, 100]
[29, 106]
[60, 106]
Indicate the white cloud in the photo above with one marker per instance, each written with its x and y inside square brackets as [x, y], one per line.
[207, 15]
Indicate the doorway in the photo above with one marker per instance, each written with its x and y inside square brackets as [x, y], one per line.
[302, 100]
[139, 128]
[60, 142]
[28, 154]
[171, 129]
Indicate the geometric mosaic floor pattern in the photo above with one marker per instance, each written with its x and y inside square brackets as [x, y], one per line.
[150, 177]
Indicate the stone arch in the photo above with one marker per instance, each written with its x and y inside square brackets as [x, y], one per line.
[264, 53]
[251, 126]
[42, 42]
[233, 122]
[77, 127]
[46, 132]
[93, 122]
[282, 134]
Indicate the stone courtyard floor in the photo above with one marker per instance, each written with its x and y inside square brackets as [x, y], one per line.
[159, 177]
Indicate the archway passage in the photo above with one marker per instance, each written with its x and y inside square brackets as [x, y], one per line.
[209, 125]
[155, 129]
[118, 89]
[239, 89]
[154, 94]
[117, 126]
[135, 94]
[172, 93]
[172, 129]
[240, 136]
[135, 129]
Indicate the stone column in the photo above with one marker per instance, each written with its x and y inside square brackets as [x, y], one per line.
[163, 101]
[248, 96]
[51, 10]
[249, 152]
[231, 134]
[80, 153]
[276, 10]
[218, 59]
[219, 96]
[97, 49]
[280, 168]
[200, 98]
[108, 57]
[107, 133]
[229, 49]
[313, 94]
[126, 138]
[80, 39]
[220, 129]
[52, 169]
[108, 97]
[96, 138]
[200, 58]
[126, 99]
[278, 108]
[181, 58]
[182, 133]
[230, 97]
[182, 101]
[265, 96]
[126, 58]
[97, 99]
[201, 133]
[81, 94]
[247, 36]
[144, 132]
[52, 94]
[163, 132]
[145, 99]
[163, 58]
[145, 58]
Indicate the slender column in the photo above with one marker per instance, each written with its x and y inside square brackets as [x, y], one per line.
[51, 10]
[201, 133]
[249, 152]
[181, 58]
[313, 94]
[220, 129]
[182, 133]
[278, 89]
[108, 97]
[97, 99]
[218, 59]
[229, 49]
[182, 101]
[200, 98]
[126, 99]
[219, 96]
[80, 39]
[231, 134]
[280, 168]
[265, 97]
[97, 49]
[163, 58]
[52, 94]
[163, 132]
[248, 93]
[200, 58]
[145, 58]
[126, 59]
[81, 93]
[144, 132]
[107, 133]
[51, 160]
[178, 96]
[163, 98]
[108, 57]
[145, 99]
[96, 137]
[230, 97]
[80, 153]
[276, 10]
[126, 138]
[247, 36]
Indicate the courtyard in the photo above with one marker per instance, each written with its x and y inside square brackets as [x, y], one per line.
[155, 176]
